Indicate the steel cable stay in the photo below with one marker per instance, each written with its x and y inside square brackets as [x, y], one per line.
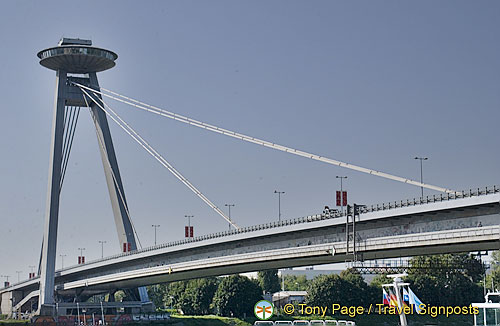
[144, 144]
[68, 116]
[70, 128]
[101, 144]
[199, 124]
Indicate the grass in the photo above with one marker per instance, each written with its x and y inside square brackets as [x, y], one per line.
[6, 322]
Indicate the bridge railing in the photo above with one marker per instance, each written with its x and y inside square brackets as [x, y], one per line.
[431, 199]
[305, 219]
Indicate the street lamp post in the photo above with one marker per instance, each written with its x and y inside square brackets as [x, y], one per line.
[421, 172]
[81, 255]
[32, 267]
[279, 203]
[102, 242]
[342, 208]
[62, 260]
[19, 276]
[155, 226]
[229, 206]
[81, 251]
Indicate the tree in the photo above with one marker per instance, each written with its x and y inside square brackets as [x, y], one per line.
[156, 294]
[174, 293]
[446, 279]
[325, 290]
[295, 282]
[269, 281]
[379, 280]
[374, 291]
[192, 297]
[358, 295]
[198, 296]
[236, 295]
[493, 278]
[496, 257]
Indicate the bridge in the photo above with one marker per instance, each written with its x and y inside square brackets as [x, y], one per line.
[461, 222]
[453, 221]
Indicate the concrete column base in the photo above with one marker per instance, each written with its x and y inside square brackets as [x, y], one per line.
[47, 310]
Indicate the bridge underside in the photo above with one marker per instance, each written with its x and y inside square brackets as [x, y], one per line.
[388, 234]
[462, 240]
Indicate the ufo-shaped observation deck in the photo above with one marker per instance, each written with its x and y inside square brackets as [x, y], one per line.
[77, 59]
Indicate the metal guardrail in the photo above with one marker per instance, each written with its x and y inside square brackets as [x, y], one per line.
[313, 218]
[301, 220]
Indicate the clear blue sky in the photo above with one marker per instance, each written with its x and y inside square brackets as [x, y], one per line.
[373, 83]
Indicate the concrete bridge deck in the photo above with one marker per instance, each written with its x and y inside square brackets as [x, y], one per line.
[456, 223]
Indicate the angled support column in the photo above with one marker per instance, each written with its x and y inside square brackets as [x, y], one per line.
[113, 179]
[111, 172]
[48, 262]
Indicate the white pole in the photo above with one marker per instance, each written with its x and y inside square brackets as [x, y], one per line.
[78, 312]
[402, 316]
[102, 314]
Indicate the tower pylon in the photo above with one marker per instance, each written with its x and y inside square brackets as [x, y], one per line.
[76, 60]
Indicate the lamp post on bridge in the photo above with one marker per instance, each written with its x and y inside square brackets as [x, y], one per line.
[32, 268]
[81, 259]
[421, 172]
[155, 226]
[102, 242]
[62, 260]
[19, 276]
[279, 203]
[229, 206]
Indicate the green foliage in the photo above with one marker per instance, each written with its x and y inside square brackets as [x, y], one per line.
[192, 297]
[444, 265]
[236, 295]
[269, 281]
[156, 294]
[119, 296]
[496, 257]
[173, 294]
[296, 282]
[450, 280]
[198, 296]
[374, 292]
[493, 278]
[325, 290]
[379, 280]
[347, 289]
